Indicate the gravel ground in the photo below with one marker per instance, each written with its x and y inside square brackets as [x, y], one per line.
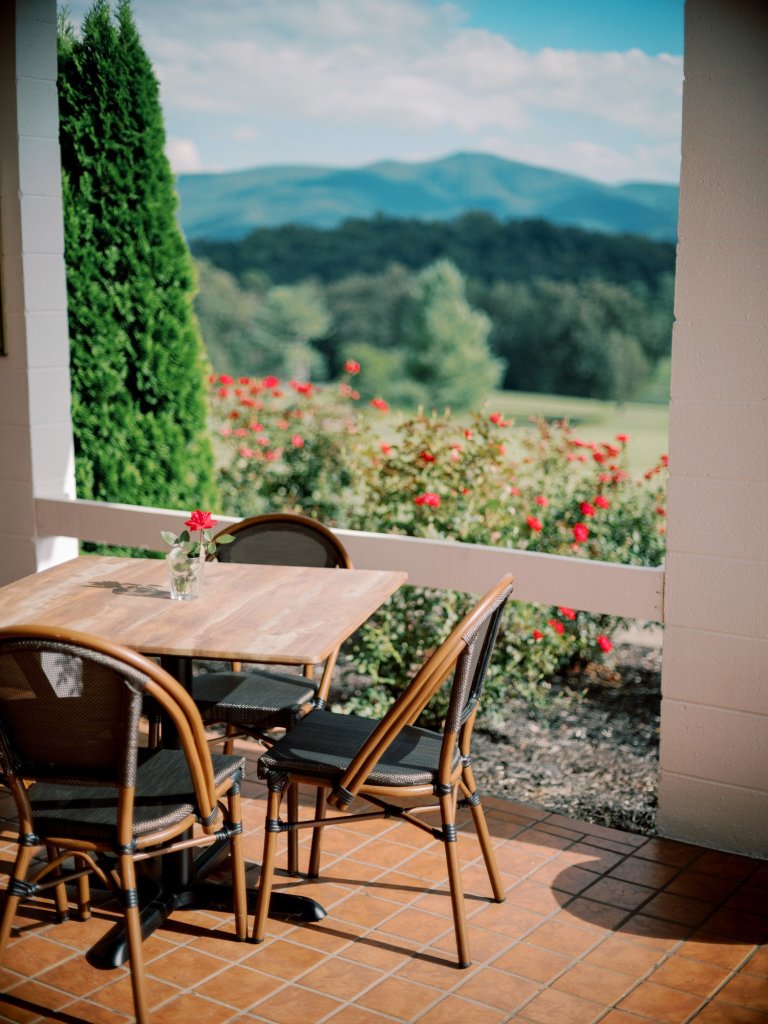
[594, 759]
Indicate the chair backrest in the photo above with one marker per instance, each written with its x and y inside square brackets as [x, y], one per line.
[466, 653]
[69, 711]
[284, 538]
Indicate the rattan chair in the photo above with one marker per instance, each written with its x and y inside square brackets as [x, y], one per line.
[87, 792]
[393, 764]
[259, 700]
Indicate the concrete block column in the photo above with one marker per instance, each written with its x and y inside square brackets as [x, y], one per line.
[36, 447]
[714, 731]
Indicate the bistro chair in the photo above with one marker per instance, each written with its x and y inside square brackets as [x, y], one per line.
[393, 764]
[85, 790]
[256, 702]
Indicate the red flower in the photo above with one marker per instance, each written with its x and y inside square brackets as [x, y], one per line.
[352, 366]
[224, 378]
[429, 498]
[567, 613]
[580, 532]
[604, 643]
[222, 392]
[468, 434]
[661, 511]
[426, 456]
[385, 448]
[272, 456]
[623, 438]
[534, 523]
[515, 490]
[200, 521]
[249, 403]
[602, 502]
[598, 456]
[297, 441]
[587, 509]
[247, 453]
[302, 387]
[498, 419]
[225, 431]
[541, 500]
[380, 404]
[244, 380]
[270, 382]
[557, 626]
[537, 635]
[241, 432]
[664, 460]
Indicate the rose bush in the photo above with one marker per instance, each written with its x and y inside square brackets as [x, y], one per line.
[478, 480]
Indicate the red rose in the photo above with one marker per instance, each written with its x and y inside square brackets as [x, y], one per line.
[351, 366]
[385, 448]
[567, 613]
[498, 419]
[380, 404]
[426, 457]
[534, 523]
[602, 502]
[541, 500]
[200, 521]
[297, 441]
[580, 532]
[537, 635]
[224, 378]
[587, 509]
[557, 626]
[270, 382]
[622, 437]
[429, 498]
[604, 644]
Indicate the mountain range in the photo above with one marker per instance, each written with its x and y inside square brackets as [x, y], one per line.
[227, 205]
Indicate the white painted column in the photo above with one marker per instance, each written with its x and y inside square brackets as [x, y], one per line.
[36, 448]
[714, 733]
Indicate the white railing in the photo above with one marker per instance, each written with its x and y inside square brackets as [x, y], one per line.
[629, 591]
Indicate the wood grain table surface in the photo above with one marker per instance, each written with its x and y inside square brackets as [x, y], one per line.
[267, 613]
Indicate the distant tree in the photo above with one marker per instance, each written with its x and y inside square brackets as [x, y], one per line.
[138, 364]
[290, 317]
[444, 342]
[227, 314]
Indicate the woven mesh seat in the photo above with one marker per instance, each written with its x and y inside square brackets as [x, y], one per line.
[324, 744]
[70, 706]
[391, 763]
[255, 700]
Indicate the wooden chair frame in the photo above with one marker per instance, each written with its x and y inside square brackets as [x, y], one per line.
[455, 785]
[217, 815]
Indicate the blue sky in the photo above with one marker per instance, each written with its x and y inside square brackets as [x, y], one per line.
[591, 87]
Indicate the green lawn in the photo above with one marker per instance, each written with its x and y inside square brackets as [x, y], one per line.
[646, 425]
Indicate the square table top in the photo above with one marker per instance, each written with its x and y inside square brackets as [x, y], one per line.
[275, 614]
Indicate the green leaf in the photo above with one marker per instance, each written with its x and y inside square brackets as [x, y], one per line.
[225, 538]
[168, 537]
[184, 537]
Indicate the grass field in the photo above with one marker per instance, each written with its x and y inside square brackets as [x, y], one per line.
[646, 425]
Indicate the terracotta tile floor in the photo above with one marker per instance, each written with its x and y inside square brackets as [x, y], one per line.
[598, 925]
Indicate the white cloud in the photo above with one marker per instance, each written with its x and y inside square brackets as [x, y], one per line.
[183, 154]
[397, 79]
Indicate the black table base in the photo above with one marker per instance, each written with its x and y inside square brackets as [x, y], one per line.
[183, 882]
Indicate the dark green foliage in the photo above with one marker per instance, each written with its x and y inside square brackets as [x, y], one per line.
[138, 365]
[482, 248]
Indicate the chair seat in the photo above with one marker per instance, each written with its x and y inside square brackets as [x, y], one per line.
[164, 796]
[324, 743]
[251, 699]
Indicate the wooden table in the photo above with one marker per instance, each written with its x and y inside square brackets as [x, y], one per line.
[271, 614]
[275, 614]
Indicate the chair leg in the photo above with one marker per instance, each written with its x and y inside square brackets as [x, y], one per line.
[481, 828]
[317, 834]
[229, 739]
[237, 863]
[133, 930]
[83, 898]
[450, 843]
[19, 874]
[60, 896]
[293, 836]
[271, 831]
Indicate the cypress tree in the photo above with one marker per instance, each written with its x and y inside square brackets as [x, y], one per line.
[139, 400]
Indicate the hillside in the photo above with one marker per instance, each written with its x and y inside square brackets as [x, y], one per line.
[227, 206]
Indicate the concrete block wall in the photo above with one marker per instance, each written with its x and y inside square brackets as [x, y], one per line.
[714, 735]
[36, 449]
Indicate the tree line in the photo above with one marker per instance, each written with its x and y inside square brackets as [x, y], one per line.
[439, 313]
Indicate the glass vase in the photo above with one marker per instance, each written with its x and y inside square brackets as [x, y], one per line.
[185, 575]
